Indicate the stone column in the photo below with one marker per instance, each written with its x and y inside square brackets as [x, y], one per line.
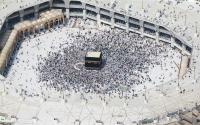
[142, 28]
[172, 41]
[127, 27]
[53, 23]
[21, 19]
[6, 23]
[49, 25]
[112, 22]
[157, 36]
[157, 33]
[38, 29]
[33, 30]
[67, 8]
[67, 13]
[98, 16]
[23, 34]
[127, 24]
[50, 3]
[84, 13]
[112, 19]
[36, 15]
[36, 8]
[98, 20]
[21, 14]
[183, 51]
[29, 32]
[84, 10]
[63, 20]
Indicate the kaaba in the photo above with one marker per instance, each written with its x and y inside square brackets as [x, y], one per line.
[93, 60]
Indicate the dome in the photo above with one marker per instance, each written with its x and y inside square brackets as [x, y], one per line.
[5, 51]
[34, 22]
[48, 12]
[17, 27]
[44, 19]
[53, 10]
[2, 61]
[54, 15]
[58, 13]
[9, 43]
[39, 21]
[14, 31]
[29, 24]
[46, 15]
[24, 26]
[49, 17]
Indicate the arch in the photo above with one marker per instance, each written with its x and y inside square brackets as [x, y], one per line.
[21, 33]
[46, 26]
[26, 32]
[75, 3]
[41, 27]
[31, 31]
[37, 29]
[56, 22]
[58, 2]
[51, 24]
[63, 19]
[60, 21]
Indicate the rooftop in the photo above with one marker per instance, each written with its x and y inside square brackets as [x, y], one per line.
[184, 8]
[93, 54]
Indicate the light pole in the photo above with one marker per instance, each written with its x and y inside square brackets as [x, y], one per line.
[41, 91]
[63, 97]
[145, 96]
[196, 27]
[178, 79]
[145, 93]
[42, 99]
[4, 89]
[179, 72]
[162, 86]
[194, 74]
[21, 98]
[174, 13]
[142, 4]
[185, 21]
[162, 92]
[104, 96]
[21, 89]
[63, 94]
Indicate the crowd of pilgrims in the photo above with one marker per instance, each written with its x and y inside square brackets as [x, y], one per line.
[127, 59]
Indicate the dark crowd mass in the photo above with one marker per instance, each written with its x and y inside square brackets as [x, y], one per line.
[127, 59]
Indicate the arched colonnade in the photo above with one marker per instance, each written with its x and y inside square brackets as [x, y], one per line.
[47, 20]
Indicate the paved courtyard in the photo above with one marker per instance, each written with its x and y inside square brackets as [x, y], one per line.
[91, 109]
[94, 108]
